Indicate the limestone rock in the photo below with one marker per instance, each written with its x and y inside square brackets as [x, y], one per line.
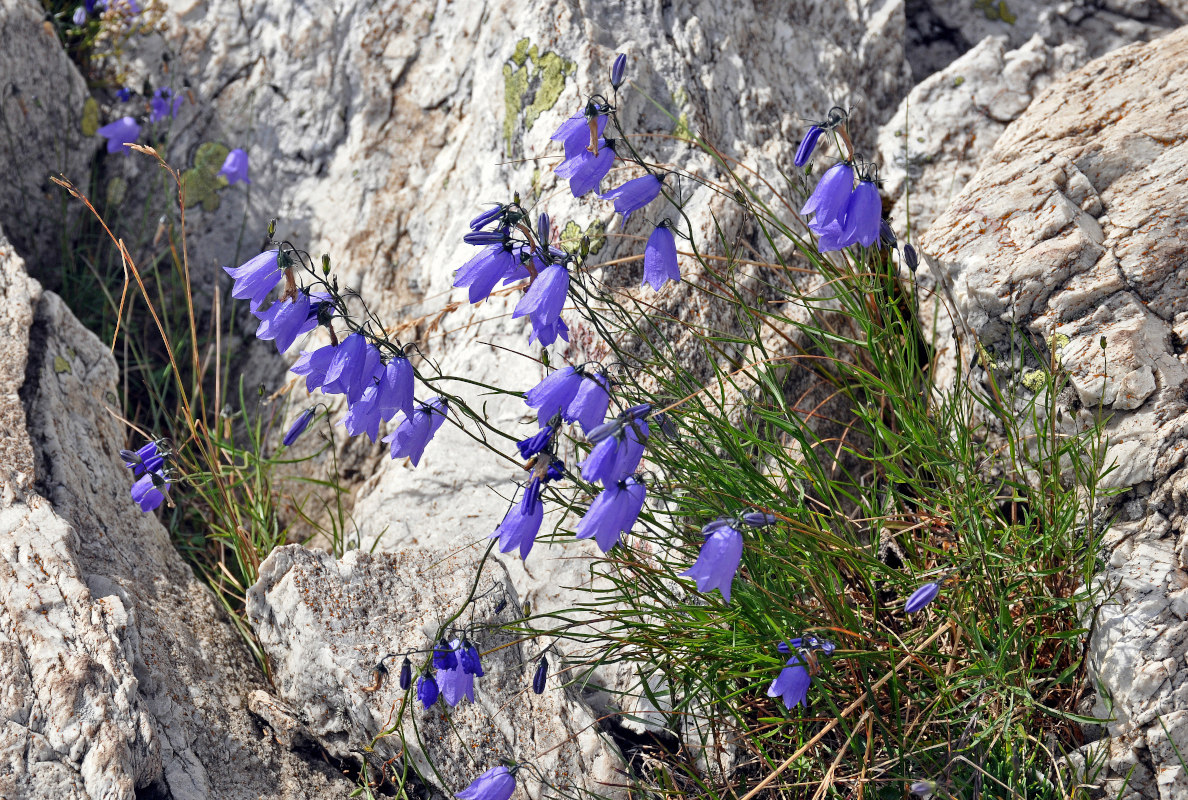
[121, 676]
[43, 113]
[324, 624]
[1071, 237]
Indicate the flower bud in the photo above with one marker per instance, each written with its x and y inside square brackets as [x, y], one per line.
[542, 227]
[405, 674]
[484, 237]
[758, 519]
[298, 427]
[910, 258]
[886, 234]
[542, 674]
[620, 67]
[325, 263]
[271, 228]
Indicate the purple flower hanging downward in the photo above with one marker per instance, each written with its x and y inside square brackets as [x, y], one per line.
[792, 684]
[589, 404]
[585, 170]
[285, 320]
[497, 783]
[164, 104]
[146, 492]
[660, 258]
[256, 277]
[862, 216]
[481, 273]
[117, 133]
[235, 167]
[454, 681]
[545, 297]
[634, 194]
[298, 427]
[719, 558]
[553, 395]
[522, 522]
[313, 365]
[427, 690]
[413, 434]
[833, 191]
[613, 513]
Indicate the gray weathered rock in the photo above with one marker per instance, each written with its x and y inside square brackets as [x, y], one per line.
[41, 117]
[1072, 232]
[324, 624]
[120, 674]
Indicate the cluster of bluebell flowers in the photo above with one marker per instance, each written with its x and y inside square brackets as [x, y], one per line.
[152, 480]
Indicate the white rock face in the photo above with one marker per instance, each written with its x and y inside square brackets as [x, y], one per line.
[120, 675]
[1072, 232]
[325, 624]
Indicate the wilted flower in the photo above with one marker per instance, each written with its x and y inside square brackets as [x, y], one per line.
[807, 145]
[298, 427]
[427, 690]
[164, 104]
[413, 434]
[117, 133]
[612, 513]
[497, 783]
[634, 194]
[922, 597]
[256, 277]
[235, 167]
[719, 558]
[829, 199]
[660, 257]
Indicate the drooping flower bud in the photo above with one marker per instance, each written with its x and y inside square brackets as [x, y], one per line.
[298, 427]
[886, 234]
[484, 237]
[910, 258]
[618, 70]
[542, 675]
[405, 674]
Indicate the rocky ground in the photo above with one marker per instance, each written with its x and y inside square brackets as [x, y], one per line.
[1040, 149]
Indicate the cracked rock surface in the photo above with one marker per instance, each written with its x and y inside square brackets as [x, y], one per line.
[324, 624]
[1073, 232]
[119, 675]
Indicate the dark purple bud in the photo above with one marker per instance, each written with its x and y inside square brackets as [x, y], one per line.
[443, 656]
[886, 235]
[536, 443]
[922, 597]
[486, 218]
[910, 258]
[542, 674]
[618, 69]
[405, 674]
[485, 237]
[807, 145]
[468, 658]
[758, 519]
[638, 412]
[542, 227]
[667, 426]
[298, 427]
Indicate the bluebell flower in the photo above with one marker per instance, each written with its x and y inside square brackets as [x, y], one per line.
[427, 690]
[833, 191]
[486, 218]
[355, 364]
[584, 170]
[486, 269]
[537, 442]
[574, 133]
[545, 335]
[718, 561]
[147, 492]
[922, 597]
[395, 389]
[497, 783]
[589, 404]
[829, 236]
[444, 656]
[616, 456]
[363, 415]
[123, 94]
[618, 69]
[298, 427]
[925, 789]
[522, 522]
[313, 365]
[80, 16]
[807, 145]
[634, 194]
[413, 433]
[235, 167]
[164, 104]
[469, 660]
[256, 277]
[117, 133]
[147, 459]
[660, 258]
[792, 684]
[541, 676]
[554, 393]
[545, 297]
[455, 682]
[863, 213]
[285, 320]
[613, 512]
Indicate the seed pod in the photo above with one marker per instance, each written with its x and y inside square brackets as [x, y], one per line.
[542, 675]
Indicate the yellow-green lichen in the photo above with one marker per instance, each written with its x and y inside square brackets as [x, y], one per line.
[1058, 341]
[571, 236]
[90, 117]
[532, 84]
[1034, 380]
[960, 79]
[682, 127]
[61, 365]
[995, 10]
[202, 181]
